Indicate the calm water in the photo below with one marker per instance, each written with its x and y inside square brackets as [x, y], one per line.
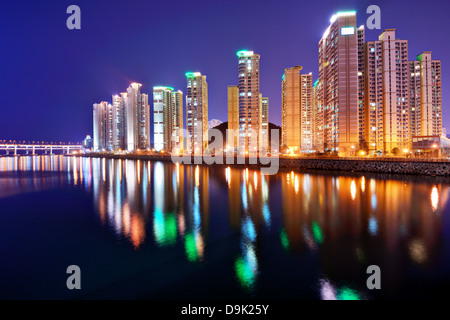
[157, 230]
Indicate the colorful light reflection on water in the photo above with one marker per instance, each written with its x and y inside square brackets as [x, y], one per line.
[320, 222]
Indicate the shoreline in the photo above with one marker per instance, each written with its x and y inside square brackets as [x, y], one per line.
[408, 166]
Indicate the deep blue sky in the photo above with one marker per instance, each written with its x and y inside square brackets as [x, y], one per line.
[50, 76]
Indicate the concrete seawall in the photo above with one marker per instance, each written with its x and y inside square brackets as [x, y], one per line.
[391, 165]
[396, 166]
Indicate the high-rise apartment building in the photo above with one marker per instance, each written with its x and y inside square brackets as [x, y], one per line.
[306, 116]
[103, 126]
[124, 125]
[387, 94]
[177, 120]
[233, 114]
[290, 108]
[138, 118]
[197, 112]
[119, 129]
[162, 118]
[264, 127]
[317, 120]
[361, 88]
[338, 83]
[297, 120]
[426, 96]
[249, 105]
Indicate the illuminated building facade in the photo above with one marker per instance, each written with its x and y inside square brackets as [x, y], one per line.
[233, 113]
[177, 120]
[426, 96]
[138, 119]
[162, 118]
[103, 127]
[306, 116]
[124, 125]
[361, 88]
[317, 120]
[119, 129]
[338, 83]
[264, 121]
[249, 105]
[290, 108]
[196, 112]
[387, 94]
[297, 110]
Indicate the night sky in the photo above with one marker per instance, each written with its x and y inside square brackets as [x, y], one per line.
[50, 76]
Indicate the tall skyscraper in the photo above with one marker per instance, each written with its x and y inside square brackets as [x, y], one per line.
[177, 120]
[361, 88]
[338, 83]
[162, 118]
[387, 94]
[197, 112]
[138, 118]
[233, 113]
[318, 120]
[426, 96]
[124, 125]
[167, 119]
[119, 131]
[249, 106]
[103, 126]
[297, 110]
[264, 128]
[290, 109]
[306, 116]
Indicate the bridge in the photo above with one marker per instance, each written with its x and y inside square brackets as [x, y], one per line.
[31, 148]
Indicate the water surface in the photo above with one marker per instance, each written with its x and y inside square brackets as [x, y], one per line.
[156, 230]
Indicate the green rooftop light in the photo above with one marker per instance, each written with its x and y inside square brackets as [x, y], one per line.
[162, 87]
[192, 74]
[244, 53]
[346, 13]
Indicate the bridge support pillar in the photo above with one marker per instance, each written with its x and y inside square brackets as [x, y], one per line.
[15, 150]
[51, 150]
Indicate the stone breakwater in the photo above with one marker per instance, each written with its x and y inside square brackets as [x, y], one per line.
[397, 166]
[392, 165]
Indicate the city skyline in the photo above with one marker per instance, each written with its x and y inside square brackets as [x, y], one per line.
[66, 104]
